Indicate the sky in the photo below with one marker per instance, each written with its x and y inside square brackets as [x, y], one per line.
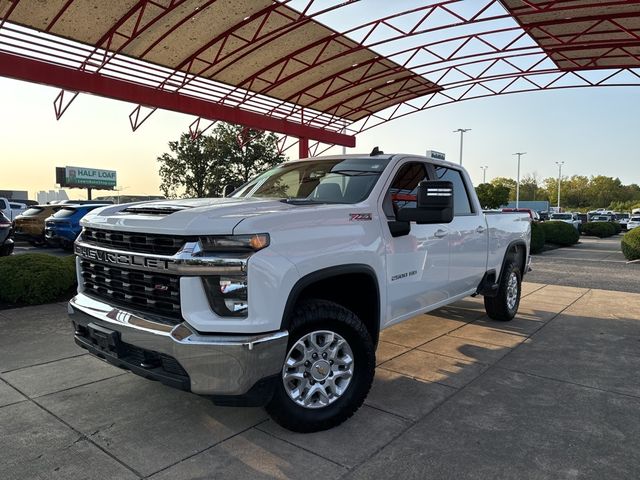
[593, 130]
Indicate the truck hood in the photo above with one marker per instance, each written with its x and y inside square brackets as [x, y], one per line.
[200, 216]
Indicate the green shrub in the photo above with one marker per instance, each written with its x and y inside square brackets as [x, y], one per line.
[598, 229]
[631, 244]
[537, 237]
[617, 226]
[560, 233]
[35, 278]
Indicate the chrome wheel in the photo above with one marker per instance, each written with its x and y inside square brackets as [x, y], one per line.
[318, 369]
[512, 291]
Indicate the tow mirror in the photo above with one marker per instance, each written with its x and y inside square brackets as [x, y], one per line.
[434, 204]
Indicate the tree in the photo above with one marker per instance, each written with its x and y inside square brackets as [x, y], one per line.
[189, 170]
[202, 166]
[508, 183]
[492, 196]
[243, 152]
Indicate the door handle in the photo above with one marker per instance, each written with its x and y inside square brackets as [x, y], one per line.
[440, 233]
[480, 229]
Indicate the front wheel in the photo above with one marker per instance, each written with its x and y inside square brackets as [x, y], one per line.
[328, 369]
[504, 306]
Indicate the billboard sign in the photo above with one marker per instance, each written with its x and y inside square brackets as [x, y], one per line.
[83, 177]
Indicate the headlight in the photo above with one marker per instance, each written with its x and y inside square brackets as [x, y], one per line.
[235, 243]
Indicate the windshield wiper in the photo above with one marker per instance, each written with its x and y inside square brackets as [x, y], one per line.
[353, 173]
[307, 201]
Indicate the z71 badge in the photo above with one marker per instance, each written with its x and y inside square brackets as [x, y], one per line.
[359, 217]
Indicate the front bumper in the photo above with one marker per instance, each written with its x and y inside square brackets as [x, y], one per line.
[216, 365]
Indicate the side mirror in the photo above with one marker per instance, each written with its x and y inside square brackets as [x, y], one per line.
[434, 205]
[228, 189]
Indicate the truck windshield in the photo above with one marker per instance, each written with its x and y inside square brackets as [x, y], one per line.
[345, 180]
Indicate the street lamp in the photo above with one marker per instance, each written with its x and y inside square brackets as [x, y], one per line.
[559, 181]
[462, 132]
[519, 154]
[484, 173]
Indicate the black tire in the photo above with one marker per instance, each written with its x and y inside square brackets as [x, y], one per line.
[497, 307]
[314, 315]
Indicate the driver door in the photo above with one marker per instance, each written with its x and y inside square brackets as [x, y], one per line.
[417, 263]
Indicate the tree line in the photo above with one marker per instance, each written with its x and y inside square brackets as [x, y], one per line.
[578, 192]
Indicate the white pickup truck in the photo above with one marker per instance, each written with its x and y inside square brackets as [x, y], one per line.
[277, 294]
[11, 209]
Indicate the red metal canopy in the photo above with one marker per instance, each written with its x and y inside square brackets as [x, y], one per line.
[276, 65]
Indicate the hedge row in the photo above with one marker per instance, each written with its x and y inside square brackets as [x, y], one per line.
[601, 229]
[560, 233]
[36, 278]
[631, 244]
[537, 237]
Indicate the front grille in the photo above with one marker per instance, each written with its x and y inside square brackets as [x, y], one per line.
[135, 242]
[141, 291]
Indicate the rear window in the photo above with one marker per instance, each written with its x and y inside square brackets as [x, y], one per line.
[32, 211]
[635, 219]
[64, 212]
[562, 216]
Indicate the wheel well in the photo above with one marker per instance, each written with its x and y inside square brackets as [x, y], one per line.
[517, 252]
[357, 292]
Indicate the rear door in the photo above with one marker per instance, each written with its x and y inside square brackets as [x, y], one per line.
[468, 235]
[417, 263]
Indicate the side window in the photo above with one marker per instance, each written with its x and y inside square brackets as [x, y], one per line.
[404, 189]
[461, 203]
[3, 205]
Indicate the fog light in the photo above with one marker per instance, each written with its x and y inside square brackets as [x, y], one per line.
[227, 295]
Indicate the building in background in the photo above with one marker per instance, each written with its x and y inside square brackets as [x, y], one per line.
[51, 196]
[536, 205]
[15, 194]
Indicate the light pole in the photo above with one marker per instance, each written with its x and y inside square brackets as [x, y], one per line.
[519, 154]
[559, 181]
[462, 132]
[484, 173]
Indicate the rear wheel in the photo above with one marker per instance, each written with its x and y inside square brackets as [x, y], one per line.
[504, 305]
[328, 369]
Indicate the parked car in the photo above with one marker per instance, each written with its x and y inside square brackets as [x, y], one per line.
[29, 225]
[634, 222]
[532, 213]
[622, 219]
[278, 293]
[6, 230]
[570, 218]
[602, 218]
[84, 202]
[11, 208]
[62, 228]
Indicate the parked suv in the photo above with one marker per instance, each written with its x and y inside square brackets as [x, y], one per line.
[634, 222]
[29, 225]
[63, 226]
[570, 218]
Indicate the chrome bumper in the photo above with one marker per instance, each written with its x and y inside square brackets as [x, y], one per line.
[216, 364]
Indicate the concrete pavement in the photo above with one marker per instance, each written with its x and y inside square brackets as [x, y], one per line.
[592, 263]
[552, 394]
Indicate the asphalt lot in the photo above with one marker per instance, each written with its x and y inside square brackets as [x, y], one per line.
[552, 394]
[23, 247]
[593, 263]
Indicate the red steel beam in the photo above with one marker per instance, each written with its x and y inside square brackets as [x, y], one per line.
[37, 71]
